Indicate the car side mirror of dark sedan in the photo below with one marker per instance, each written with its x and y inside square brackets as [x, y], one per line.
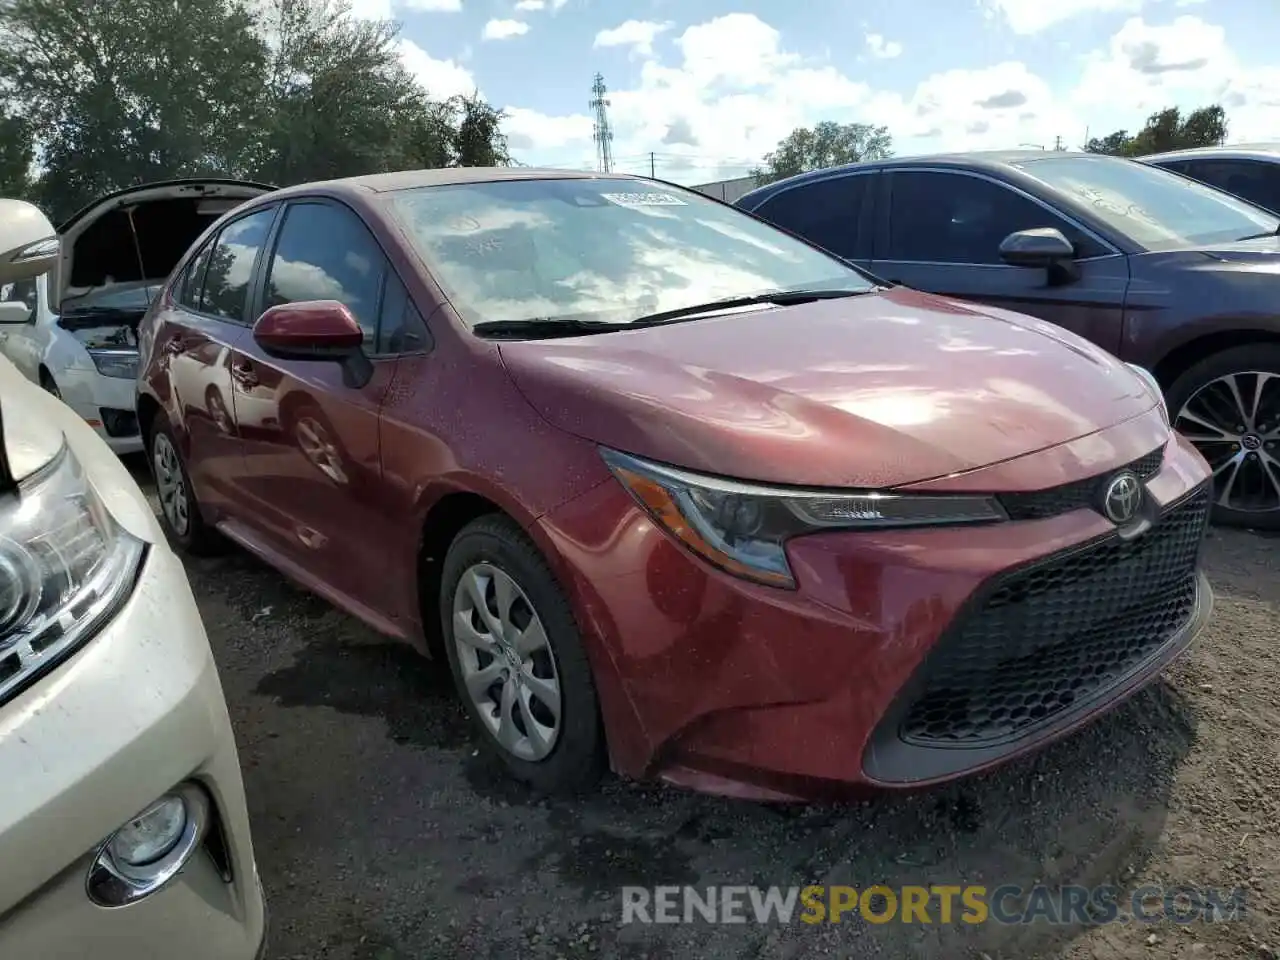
[315, 330]
[1042, 247]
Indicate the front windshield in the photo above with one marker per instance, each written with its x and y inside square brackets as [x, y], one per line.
[600, 249]
[1157, 209]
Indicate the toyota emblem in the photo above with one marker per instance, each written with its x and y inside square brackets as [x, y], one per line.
[1122, 499]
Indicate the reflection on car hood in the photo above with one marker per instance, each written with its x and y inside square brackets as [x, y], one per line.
[873, 391]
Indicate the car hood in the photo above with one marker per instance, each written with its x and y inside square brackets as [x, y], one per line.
[872, 391]
[136, 236]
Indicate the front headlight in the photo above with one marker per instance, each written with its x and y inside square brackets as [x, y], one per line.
[743, 528]
[116, 363]
[1153, 387]
[65, 567]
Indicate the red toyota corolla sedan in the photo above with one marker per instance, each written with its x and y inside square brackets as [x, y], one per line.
[671, 490]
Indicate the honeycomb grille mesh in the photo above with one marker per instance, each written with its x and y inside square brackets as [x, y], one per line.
[1058, 633]
[1040, 504]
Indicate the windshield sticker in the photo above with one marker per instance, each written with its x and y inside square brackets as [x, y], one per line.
[644, 199]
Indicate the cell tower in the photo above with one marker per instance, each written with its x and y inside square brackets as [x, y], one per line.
[601, 133]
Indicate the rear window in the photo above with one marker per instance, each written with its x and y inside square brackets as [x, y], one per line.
[600, 248]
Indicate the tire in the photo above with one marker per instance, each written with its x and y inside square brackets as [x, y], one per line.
[1246, 462]
[164, 457]
[573, 761]
[49, 385]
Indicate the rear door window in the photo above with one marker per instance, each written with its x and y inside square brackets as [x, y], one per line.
[826, 212]
[1251, 180]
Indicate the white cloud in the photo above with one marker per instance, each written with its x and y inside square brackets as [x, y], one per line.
[1185, 63]
[442, 78]
[637, 34]
[733, 90]
[883, 49]
[504, 29]
[530, 6]
[433, 6]
[1033, 16]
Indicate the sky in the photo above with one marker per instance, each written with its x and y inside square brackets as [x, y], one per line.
[701, 90]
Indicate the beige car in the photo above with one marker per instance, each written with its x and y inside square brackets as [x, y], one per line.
[123, 826]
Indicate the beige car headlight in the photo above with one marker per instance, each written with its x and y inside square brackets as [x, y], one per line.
[66, 566]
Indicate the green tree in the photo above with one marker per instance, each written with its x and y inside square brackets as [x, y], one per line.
[826, 145]
[17, 152]
[124, 91]
[1166, 130]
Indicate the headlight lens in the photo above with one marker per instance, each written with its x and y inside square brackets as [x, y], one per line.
[743, 528]
[1153, 387]
[65, 566]
[116, 363]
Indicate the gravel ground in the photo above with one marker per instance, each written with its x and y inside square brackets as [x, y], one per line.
[382, 835]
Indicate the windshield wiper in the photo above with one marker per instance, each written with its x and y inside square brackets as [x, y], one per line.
[546, 328]
[782, 298]
[542, 329]
[1261, 236]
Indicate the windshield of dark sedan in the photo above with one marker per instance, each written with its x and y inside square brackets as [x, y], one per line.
[600, 249]
[1155, 208]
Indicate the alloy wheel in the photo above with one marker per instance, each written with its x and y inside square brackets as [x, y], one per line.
[508, 666]
[1234, 421]
[171, 485]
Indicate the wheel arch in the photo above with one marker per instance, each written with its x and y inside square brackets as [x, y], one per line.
[1181, 358]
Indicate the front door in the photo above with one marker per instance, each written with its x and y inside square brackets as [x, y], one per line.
[942, 233]
[312, 464]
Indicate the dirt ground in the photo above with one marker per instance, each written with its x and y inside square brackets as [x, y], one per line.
[381, 835]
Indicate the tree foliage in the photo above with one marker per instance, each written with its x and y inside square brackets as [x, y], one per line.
[826, 145]
[115, 92]
[1166, 130]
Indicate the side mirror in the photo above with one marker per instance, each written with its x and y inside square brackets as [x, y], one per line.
[28, 243]
[315, 330]
[15, 311]
[1042, 247]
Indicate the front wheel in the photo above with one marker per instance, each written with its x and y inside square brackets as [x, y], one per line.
[517, 658]
[49, 384]
[1228, 406]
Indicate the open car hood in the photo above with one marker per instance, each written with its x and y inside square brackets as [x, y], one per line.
[133, 238]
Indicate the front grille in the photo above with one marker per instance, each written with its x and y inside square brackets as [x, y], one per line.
[1048, 637]
[1040, 504]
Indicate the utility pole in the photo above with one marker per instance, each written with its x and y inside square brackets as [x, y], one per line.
[1057, 144]
[652, 174]
[601, 133]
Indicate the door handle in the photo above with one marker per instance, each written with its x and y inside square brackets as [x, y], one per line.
[174, 346]
[242, 373]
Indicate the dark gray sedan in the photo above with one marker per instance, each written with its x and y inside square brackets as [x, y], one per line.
[1160, 270]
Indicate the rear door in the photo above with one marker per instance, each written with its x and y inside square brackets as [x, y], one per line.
[311, 457]
[835, 213]
[941, 230]
[194, 341]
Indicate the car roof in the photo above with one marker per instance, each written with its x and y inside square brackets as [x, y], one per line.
[990, 161]
[1236, 151]
[446, 176]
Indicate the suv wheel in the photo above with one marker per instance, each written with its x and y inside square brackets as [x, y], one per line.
[1228, 406]
[517, 658]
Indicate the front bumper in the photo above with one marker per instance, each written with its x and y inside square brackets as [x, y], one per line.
[107, 404]
[138, 710]
[712, 682]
